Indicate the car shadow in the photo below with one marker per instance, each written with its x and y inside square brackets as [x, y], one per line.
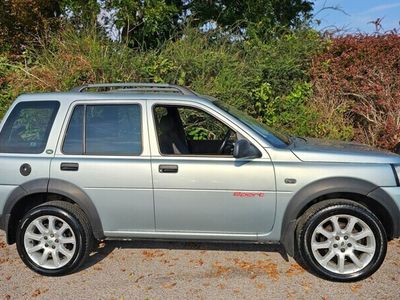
[105, 248]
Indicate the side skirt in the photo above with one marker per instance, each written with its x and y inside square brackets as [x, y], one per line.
[168, 235]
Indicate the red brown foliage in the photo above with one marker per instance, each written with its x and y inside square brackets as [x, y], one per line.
[359, 77]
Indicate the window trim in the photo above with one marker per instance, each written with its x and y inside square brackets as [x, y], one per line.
[83, 130]
[70, 113]
[153, 107]
[48, 131]
[85, 104]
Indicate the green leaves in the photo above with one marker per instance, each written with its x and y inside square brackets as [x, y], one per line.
[291, 112]
[81, 13]
[159, 68]
[144, 24]
[252, 17]
[198, 134]
[147, 24]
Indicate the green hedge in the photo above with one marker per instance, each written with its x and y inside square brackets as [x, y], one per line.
[270, 80]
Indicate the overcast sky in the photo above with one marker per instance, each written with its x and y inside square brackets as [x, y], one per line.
[358, 13]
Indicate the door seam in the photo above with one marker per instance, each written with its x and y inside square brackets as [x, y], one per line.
[151, 164]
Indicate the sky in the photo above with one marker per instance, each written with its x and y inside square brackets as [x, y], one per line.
[355, 15]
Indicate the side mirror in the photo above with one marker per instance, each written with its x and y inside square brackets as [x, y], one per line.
[244, 149]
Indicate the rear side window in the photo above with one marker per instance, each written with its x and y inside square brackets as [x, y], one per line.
[104, 130]
[27, 128]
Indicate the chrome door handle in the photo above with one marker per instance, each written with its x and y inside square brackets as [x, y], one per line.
[69, 166]
[168, 168]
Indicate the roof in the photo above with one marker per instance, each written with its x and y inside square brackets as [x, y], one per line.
[127, 91]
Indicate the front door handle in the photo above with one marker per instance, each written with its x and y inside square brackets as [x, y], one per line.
[69, 166]
[168, 168]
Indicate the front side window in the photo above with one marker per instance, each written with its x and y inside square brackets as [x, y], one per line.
[272, 136]
[27, 128]
[104, 130]
[186, 130]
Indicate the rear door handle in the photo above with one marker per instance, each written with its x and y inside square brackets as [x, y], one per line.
[69, 166]
[168, 168]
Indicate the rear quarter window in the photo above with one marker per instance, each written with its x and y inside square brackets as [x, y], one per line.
[28, 126]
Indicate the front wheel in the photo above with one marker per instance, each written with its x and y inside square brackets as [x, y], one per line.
[341, 240]
[54, 238]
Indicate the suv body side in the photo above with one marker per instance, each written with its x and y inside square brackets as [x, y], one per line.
[117, 192]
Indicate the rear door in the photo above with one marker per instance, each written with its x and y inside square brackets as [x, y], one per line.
[104, 152]
[203, 192]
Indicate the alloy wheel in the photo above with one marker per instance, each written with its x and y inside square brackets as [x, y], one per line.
[50, 242]
[343, 244]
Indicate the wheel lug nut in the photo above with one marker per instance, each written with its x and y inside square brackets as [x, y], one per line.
[349, 245]
[54, 247]
[335, 245]
[346, 237]
[342, 249]
[46, 245]
[56, 241]
[337, 237]
[51, 235]
[45, 237]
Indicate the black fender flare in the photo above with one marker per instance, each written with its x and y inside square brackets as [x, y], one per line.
[28, 188]
[53, 186]
[327, 186]
[76, 194]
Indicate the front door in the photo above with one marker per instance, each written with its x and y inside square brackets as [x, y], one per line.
[199, 187]
[105, 153]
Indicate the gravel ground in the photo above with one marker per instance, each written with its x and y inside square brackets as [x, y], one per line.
[145, 270]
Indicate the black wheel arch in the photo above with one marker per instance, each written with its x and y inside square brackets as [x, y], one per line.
[41, 190]
[358, 190]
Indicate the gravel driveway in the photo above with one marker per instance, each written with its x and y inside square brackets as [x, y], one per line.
[145, 270]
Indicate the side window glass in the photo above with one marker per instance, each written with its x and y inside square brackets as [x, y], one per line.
[200, 126]
[27, 128]
[113, 130]
[108, 130]
[183, 130]
[73, 142]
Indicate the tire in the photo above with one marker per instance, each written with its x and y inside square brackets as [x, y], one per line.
[58, 249]
[352, 250]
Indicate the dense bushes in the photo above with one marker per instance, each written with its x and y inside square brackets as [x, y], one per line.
[343, 88]
[269, 80]
[357, 81]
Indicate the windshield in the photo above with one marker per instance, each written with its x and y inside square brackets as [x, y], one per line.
[275, 138]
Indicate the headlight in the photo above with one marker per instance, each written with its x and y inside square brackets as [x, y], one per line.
[396, 171]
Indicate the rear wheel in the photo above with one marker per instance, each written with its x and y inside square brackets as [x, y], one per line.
[54, 238]
[341, 240]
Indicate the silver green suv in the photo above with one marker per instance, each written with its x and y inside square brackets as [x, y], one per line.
[159, 161]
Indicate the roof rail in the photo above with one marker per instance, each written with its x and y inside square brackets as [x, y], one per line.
[136, 87]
